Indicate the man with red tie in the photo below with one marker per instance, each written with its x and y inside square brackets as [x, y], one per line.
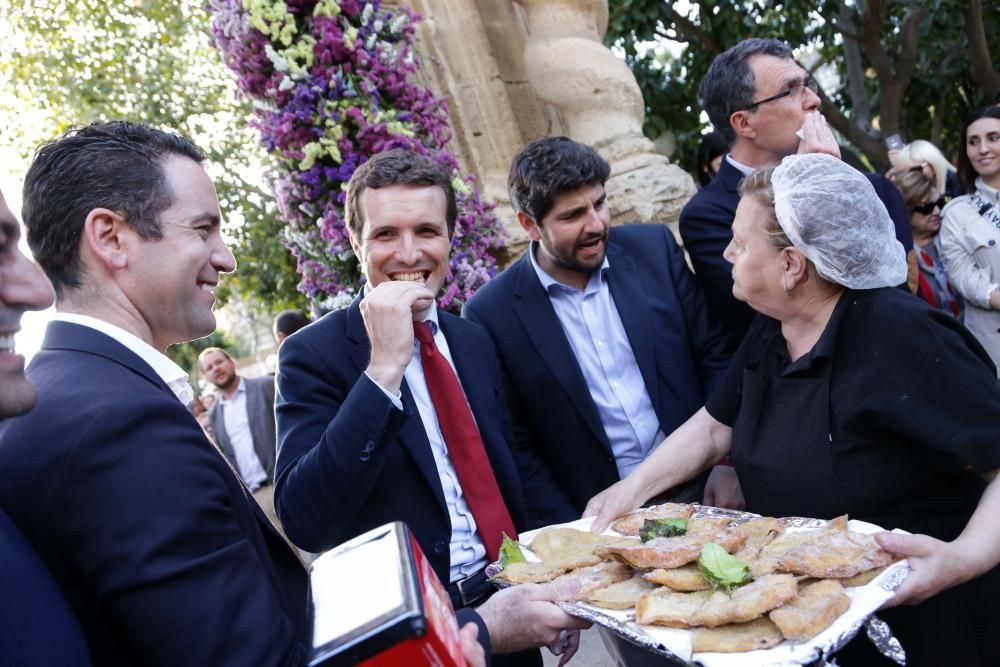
[390, 410]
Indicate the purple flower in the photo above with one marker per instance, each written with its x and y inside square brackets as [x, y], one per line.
[356, 99]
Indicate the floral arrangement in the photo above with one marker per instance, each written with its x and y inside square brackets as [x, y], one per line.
[330, 85]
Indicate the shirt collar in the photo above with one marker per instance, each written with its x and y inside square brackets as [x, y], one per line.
[548, 282]
[240, 389]
[739, 165]
[824, 347]
[988, 191]
[171, 374]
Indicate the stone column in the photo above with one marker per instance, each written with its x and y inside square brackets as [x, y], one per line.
[601, 104]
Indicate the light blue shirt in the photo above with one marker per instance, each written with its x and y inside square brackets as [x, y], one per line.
[595, 331]
[468, 554]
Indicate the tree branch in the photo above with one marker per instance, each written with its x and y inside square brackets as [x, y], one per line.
[684, 24]
[980, 64]
[855, 71]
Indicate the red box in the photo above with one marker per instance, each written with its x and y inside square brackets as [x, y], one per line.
[378, 603]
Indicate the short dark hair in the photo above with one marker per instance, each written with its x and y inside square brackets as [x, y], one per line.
[115, 165]
[728, 85]
[289, 321]
[966, 173]
[397, 167]
[549, 167]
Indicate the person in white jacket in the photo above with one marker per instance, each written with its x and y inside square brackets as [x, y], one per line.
[970, 231]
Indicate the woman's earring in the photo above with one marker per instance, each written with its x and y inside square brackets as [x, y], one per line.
[784, 283]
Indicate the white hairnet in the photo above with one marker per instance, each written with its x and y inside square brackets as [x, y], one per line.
[830, 212]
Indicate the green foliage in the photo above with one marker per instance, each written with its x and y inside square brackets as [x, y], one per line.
[69, 62]
[939, 94]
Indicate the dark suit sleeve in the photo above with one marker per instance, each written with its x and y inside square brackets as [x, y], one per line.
[334, 435]
[544, 502]
[706, 229]
[175, 570]
[466, 616]
[896, 207]
[710, 347]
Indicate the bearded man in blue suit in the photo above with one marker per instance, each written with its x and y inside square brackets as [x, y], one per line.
[605, 340]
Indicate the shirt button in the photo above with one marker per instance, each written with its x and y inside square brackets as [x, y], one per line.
[440, 547]
[369, 446]
[365, 456]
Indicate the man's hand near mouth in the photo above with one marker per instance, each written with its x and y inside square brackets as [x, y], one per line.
[388, 311]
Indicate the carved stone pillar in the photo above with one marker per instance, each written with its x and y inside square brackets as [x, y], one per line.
[600, 103]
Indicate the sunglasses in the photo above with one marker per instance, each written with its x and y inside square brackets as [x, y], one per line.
[928, 208]
[794, 90]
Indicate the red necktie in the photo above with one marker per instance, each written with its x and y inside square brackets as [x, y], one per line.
[465, 446]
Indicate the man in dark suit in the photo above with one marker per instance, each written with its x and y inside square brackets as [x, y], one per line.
[144, 525]
[604, 338]
[364, 436]
[242, 419]
[765, 106]
[37, 628]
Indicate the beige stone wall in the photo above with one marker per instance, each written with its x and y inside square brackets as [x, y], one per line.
[517, 71]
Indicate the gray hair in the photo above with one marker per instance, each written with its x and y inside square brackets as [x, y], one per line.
[728, 86]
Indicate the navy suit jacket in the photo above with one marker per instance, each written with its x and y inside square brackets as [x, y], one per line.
[155, 542]
[706, 227]
[349, 461]
[37, 628]
[560, 443]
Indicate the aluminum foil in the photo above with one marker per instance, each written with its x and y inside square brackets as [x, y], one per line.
[821, 655]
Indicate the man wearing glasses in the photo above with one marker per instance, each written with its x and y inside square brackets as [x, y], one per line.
[766, 107]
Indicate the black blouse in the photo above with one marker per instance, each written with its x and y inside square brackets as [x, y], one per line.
[890, 418]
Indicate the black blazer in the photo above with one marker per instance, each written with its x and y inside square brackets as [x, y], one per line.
[560, 443]
[159, 549]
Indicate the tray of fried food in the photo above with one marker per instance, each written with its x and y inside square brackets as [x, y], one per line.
[806, 589]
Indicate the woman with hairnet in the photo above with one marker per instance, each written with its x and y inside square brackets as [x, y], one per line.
[849, 396]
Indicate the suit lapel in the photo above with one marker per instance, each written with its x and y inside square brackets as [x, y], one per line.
[412, 435]
[544, 330]
[629, 292]
[69, 336]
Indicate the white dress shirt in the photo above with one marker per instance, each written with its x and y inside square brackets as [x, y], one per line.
[237, 422]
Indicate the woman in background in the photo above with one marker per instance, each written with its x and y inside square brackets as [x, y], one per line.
[924, 202]
[970, 229]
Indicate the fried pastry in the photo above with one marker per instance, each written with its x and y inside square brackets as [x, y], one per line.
[746, 602]
[623, 595]
[767, 558]
[632, 522]
[569, 548]
[835, 554]
[760, 532]
[669, 608]
[686, 578]
[529, 573]
[595, 577]
[755, 635]
[813, 610]
[671, 552]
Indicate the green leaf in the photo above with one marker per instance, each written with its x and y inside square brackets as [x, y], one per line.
[653, 528]
[510, 552]
[721, 570]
